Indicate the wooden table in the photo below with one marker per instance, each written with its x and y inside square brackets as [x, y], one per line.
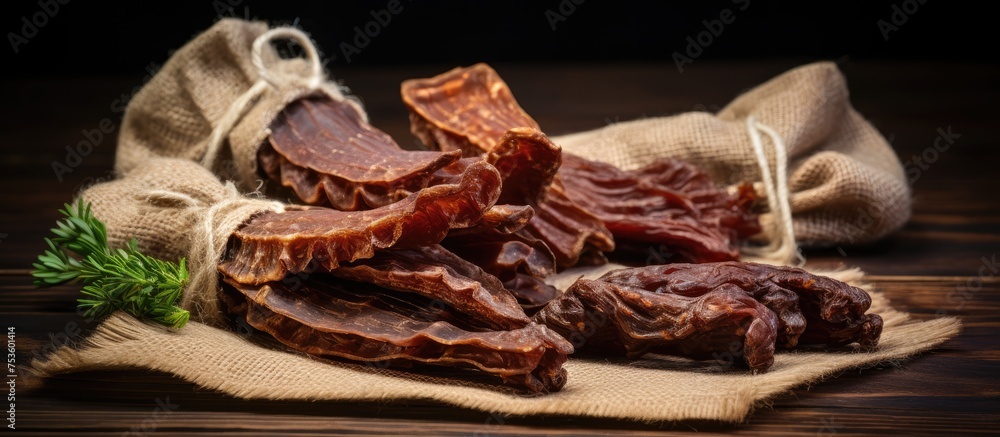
[955, 227]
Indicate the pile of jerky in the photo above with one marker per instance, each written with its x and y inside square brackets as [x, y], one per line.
[440, 257]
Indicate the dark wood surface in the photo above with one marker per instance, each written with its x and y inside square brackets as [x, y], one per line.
[955, 227]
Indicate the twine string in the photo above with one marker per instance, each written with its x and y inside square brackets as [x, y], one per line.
[227, 213]
[271, 78]
[782, 248]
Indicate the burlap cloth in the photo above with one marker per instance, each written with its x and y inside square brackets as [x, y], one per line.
[198, 93]
[846, 184]
[171, 205]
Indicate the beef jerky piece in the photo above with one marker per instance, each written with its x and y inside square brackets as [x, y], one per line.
[811, 309]
[273, 244]
[526, 155]
[472, 109]
[467, 109]
[574, 235]
[669, 203]
[437, 274]
[527, 162]
[518, 260]
[613, 319]
[506, 218]
[328, 154]
[331, 317]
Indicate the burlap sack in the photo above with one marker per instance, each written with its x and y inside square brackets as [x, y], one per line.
[175, 206]
[213, 86]
[846, 185]
[177, 209]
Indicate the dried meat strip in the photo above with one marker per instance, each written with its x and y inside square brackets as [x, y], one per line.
[606, 318]
[328, 154]
[437, 274]
[811, 309]
[669, 203]
[472, 109]
[273, 244]
[467, 109]
[331, 317]
[518, 260]
[527, 162]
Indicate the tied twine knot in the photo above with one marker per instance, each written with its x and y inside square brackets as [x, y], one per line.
[281, 80]
[212, 219]
[781, 247]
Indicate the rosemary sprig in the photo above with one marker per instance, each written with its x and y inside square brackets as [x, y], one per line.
[122, 279]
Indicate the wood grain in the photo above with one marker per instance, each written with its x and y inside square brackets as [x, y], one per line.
[930, 268]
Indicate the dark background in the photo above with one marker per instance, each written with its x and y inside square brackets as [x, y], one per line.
[122, 38]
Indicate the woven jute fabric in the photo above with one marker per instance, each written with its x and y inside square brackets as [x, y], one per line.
[176, 209]
[847, 185]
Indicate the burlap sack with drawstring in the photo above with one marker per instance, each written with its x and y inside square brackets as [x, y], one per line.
[846, 184]
[177, 209]
[177, 111]
[173, 205]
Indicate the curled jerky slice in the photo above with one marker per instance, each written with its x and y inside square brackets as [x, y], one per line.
[437, 274]
[335, 318]
[811, 309]
[528, 162]
[273, 244]
[472, 109]
[668, 203]
[518, 260]
[465, 109]
[607, 318]
[328, 154]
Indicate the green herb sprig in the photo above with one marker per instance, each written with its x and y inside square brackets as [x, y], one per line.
[122, 279]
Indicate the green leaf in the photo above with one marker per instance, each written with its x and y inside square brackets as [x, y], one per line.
[123, 279]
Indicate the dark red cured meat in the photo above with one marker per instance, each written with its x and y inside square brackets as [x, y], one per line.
[608, 319]
[273, 244]
[669, 204]
[437, 274]
[331, 317]
[811, 309]
[328, 154]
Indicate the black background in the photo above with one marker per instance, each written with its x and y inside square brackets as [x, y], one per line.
[123, 38]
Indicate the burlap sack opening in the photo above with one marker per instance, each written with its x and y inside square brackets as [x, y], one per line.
[165, 202]
[847, 186]
[200, 90]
